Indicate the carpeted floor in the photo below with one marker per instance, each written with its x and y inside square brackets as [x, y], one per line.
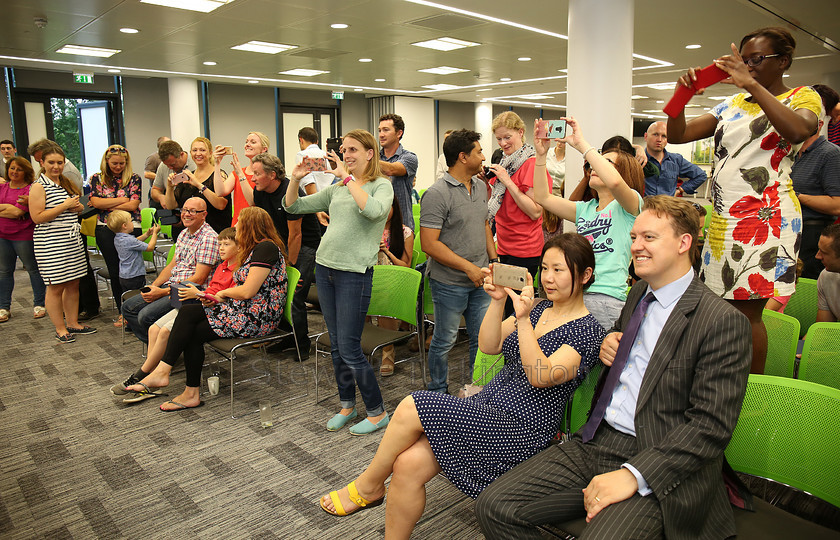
[75, 462]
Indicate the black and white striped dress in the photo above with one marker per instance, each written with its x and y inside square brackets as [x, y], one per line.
[58, 243]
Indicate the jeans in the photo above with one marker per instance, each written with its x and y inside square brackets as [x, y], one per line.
[10, 250]
[140, 315]
[305, 264]
[345, 298]
[451, 302]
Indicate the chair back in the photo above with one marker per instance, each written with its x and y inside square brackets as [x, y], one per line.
[788, 431]
[582, 399]
[821, 355]
[782, 339]
[803, 304]
[428, 303]
[146, 217]
[292, 278]
[394, 293]
[486, 367]
[171, 254]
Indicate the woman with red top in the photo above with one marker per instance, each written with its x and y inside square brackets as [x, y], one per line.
[518, 218]
[255, 143]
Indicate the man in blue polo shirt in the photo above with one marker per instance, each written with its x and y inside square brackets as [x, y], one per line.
[671, 166]
[398, 163]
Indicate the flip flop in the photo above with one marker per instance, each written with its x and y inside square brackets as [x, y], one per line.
[181, 406]
[358, 500]
[146, 393]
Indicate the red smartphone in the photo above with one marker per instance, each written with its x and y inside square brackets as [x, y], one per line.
[706, 77]
[210, 297]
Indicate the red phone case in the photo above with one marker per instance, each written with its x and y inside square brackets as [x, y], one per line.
[706, 77]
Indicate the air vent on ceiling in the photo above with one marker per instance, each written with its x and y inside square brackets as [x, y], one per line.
[322, 54]
[447, 22]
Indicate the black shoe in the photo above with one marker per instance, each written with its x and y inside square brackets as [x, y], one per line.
[85, 316]
[83, 330]
[119, 389]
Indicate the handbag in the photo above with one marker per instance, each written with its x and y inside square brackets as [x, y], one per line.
[486, 375]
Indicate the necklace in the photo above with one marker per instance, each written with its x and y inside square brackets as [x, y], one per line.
[564, 316]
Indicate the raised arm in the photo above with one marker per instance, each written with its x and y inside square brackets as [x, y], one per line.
[559, 206]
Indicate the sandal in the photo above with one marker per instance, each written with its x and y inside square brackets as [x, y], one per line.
[357, 499]
[146, 393]
[120, 322]
[181, 406]
[39, 312]
[386, 369]
[4, 315]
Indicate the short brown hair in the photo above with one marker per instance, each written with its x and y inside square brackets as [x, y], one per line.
[681, 213]
[399, 124]
[169, 148]
[308, 134]
[228, 234]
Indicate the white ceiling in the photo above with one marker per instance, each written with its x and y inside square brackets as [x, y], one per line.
[174, 42]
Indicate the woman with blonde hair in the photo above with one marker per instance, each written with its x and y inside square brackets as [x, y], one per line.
[54, 207]
[115, 187]
[201, 184]
[255, 143]
[253, 307]
[358, 205]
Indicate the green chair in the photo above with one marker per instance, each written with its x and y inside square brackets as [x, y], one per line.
[577, 409]
[415, 209]
[821, 355]
[782, 339]
[418, 257]
[486, 367]
[803, 304]
[146, 219]
[709, 209]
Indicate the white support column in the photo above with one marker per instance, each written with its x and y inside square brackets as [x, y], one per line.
[483, 125]
[600, 80]
[184, 111]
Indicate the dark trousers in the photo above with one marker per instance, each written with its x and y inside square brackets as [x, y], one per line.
[131, 284]
[88, 291]
[305, 264]
[105, 243]
[190, 332]
[547, 489]
[811, 229]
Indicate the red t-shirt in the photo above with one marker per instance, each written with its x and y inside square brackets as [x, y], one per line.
[222, 278]
[239, 201]
[517, 234]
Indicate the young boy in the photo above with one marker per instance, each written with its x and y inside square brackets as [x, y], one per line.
[159, 331]
[130, 249]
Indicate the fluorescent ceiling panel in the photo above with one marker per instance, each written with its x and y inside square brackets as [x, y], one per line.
[445, 44]
[204, 6]
[264, 47]
[303, 72]
[81, 50]
[443, 70]
[441, 86]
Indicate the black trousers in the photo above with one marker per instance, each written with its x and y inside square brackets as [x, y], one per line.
[190, 332]
[88, 291]
[531, 263]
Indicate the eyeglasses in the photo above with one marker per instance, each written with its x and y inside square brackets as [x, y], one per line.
[192, 212]
[756, 61]
[117, 149]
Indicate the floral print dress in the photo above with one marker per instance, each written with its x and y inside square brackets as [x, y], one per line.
[756, 225]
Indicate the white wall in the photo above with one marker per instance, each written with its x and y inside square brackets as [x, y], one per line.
[146, 115]
[236, 110]
[419, 117]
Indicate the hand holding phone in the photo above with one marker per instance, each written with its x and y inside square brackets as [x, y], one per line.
[513, 277]
[706, 77]
[552, 129]
[180, 178]
[314, 164]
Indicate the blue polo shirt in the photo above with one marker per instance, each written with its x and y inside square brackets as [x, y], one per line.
[402, 184]
[673, 166]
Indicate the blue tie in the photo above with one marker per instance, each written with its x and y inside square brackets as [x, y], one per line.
[621, 355]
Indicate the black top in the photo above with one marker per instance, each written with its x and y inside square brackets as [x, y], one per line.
[218, 219]
[273, 204]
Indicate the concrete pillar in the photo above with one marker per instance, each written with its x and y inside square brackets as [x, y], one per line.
[184, 111]
[483, 123]
[600, 80]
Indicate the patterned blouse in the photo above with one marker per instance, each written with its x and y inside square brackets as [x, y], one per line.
[106, 190]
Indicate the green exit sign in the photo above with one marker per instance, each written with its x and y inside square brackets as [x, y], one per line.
[83, 78]
[337, 95]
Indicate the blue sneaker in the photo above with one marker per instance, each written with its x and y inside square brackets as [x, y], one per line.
[366, 426]
[337, 422]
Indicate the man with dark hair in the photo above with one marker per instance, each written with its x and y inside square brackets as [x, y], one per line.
[315, 181]
[828, 284]
[831, 106]
[173, 160]
[300, 233]
[398, 163]
[37, 149]
[8, 151]
[670, 166]
[453, 229]
[150, 168]
[816, 181]
[648, 462]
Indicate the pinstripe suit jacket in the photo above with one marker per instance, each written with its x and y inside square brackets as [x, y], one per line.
[687, 408]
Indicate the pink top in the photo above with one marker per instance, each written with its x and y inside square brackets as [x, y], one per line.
[20, 228]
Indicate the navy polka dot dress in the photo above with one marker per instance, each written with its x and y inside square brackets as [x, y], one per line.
[476, 440]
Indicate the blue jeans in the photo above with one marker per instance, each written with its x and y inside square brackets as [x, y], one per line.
[10, 250]
[451, 302]
[345, 298]
[140, 315]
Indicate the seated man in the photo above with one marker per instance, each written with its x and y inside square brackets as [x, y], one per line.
[196, 253]
[828, 284]
[648, 462]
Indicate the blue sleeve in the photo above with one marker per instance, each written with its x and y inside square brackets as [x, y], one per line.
[695, 175]
[409, 161]
[133, 244]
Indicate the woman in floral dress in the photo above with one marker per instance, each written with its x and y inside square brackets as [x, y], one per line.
[754, 235]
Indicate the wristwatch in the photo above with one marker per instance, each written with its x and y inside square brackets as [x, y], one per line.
[202, 189]
[494, 260]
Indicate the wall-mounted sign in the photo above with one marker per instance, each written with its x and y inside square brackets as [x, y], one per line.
[337, 95]
[83, 78]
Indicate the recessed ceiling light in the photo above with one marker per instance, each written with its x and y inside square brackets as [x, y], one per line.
[379, 80]
[524, 58]
[441, 86]
[209, 63]
[535, 96]
[303, 72]
[636, 96]
[443, 70]
[365, 60]
[660, 101]
[483, 89]
[339, 26]
[204, 6]
[113, 71]
[694, 46]
[445, 44]
[129, 30]
[253, 81]
[358, 89]
[81, 50]
[264, 47]
[505, 79]
[661, 86]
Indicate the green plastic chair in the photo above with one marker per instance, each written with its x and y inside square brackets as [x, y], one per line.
[146, 217]
[415, 209]
[803, 304]
[782, 339]
[486, 367]
[709, 209]
[581, 401]
[821, 355]
[171, 254]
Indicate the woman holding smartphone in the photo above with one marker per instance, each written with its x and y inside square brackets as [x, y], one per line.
[255, 143]
[358, 206]
[201, 183]
[54, 207]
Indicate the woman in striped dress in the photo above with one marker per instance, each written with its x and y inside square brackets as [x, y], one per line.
[54, 207]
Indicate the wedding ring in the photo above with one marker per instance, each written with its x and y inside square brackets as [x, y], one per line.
[597, 499]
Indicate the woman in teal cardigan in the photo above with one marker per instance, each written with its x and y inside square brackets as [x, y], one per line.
[358, 206]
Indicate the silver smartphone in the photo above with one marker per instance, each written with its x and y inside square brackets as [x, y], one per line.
[506, 275]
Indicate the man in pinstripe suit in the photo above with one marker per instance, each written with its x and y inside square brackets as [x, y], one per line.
[653, 466]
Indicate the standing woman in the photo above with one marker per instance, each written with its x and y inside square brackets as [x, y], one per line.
[54, 207]
[201, 185]
[16, 230]
[753, 239]
[518, 218]
[255, 143]
[358, 205]
[115, 187]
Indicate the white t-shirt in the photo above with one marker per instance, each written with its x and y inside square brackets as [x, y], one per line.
[320, 179]
[828, 293]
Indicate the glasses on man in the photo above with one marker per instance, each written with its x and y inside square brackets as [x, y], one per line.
[192, 212]
[116, 149]
[756, 61]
